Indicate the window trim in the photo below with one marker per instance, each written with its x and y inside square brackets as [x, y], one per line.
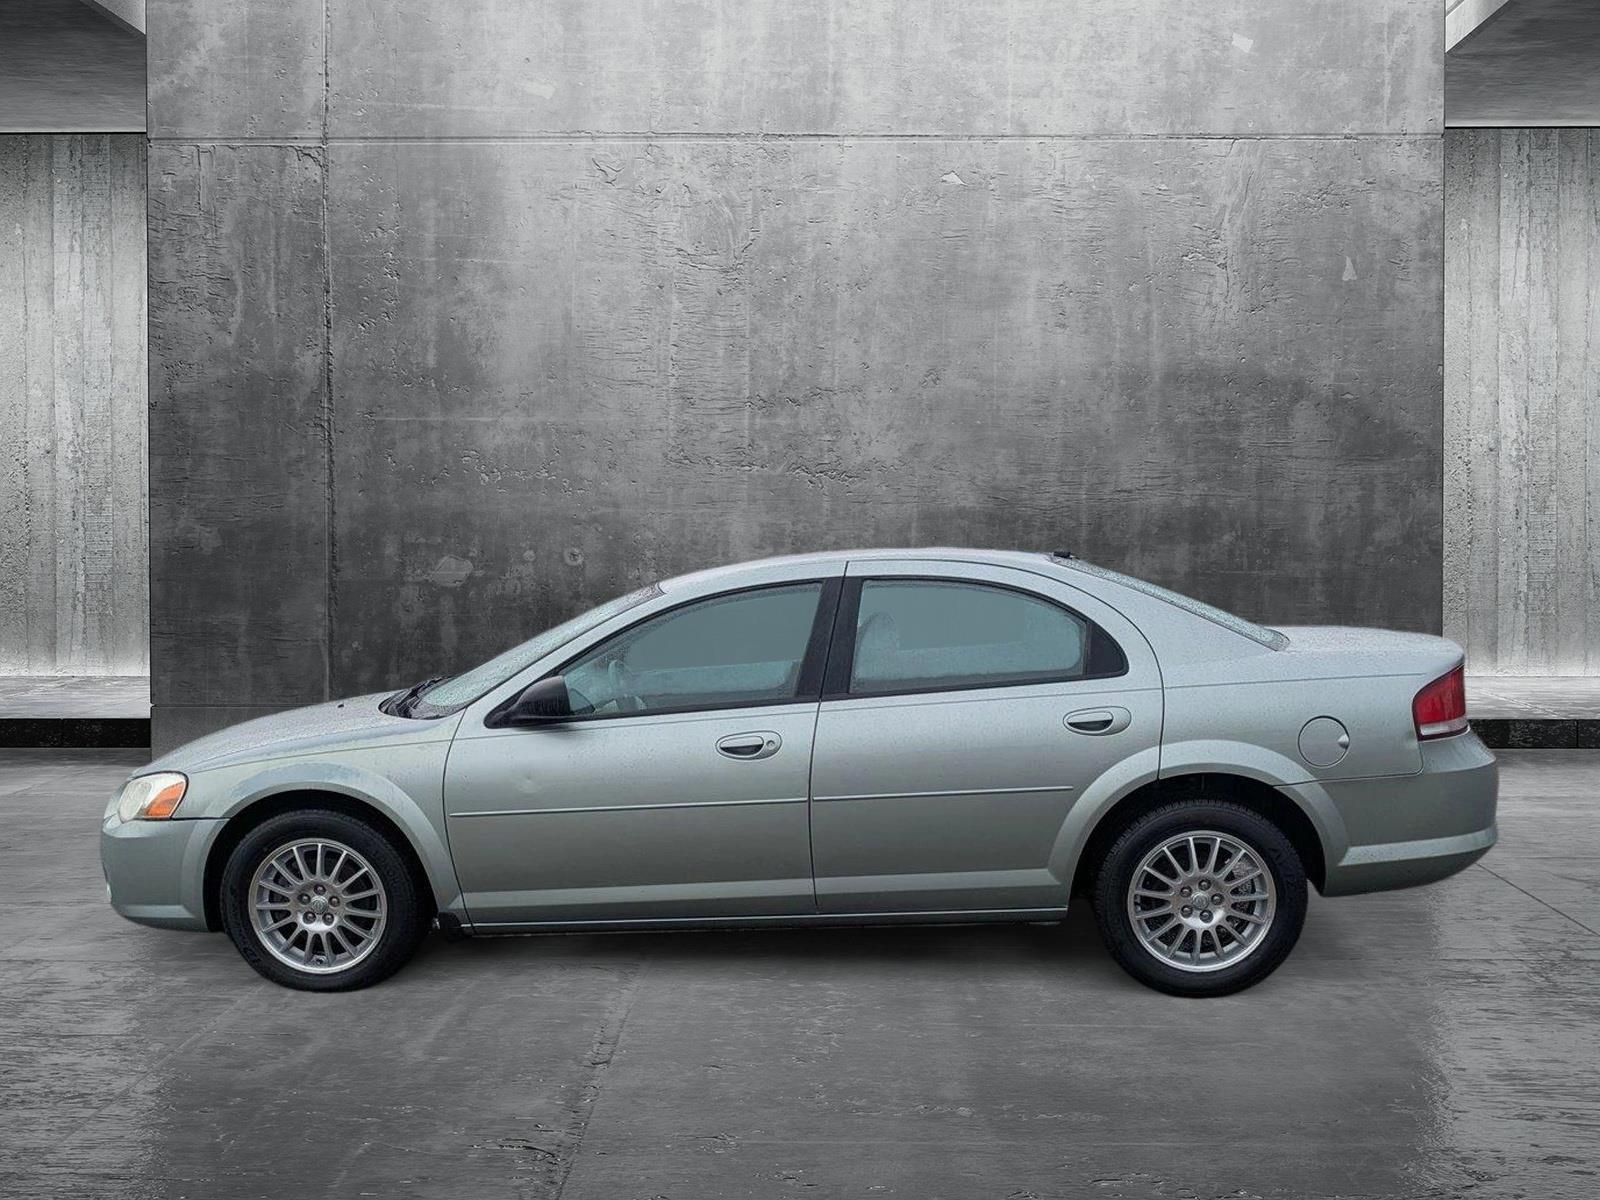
[838, 677]
[808, 685]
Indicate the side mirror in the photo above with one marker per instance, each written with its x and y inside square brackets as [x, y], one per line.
[541, 703]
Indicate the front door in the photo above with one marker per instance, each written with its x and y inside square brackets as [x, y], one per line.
[681, 792]
[971, 708]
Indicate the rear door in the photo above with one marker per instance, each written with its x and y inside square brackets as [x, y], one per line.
[965, 709]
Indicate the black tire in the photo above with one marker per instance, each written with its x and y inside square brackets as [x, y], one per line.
[408, 907]
[1145, 835]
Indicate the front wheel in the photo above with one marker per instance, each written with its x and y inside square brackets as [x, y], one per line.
[321, 901]
[1201, 898]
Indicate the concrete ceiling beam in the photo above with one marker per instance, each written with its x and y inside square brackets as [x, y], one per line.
[1462, 18]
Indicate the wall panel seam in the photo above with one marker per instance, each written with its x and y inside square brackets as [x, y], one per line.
[220, 139]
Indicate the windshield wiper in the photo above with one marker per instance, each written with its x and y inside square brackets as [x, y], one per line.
[400, 706]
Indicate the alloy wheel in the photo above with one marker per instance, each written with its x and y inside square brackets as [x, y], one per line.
[1202, 901]
[317, 905]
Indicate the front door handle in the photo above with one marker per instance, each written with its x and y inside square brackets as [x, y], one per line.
[1098, 721]
[760, 744]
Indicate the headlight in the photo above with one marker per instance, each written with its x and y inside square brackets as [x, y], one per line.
[151, 797]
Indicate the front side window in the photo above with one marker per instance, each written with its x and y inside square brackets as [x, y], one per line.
[930, 635]
[723, 652]
[447, 695]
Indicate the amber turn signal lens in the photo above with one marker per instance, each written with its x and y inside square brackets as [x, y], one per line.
[164, 803]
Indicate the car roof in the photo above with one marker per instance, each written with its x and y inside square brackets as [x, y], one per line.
[1194, 627]
[837, 558]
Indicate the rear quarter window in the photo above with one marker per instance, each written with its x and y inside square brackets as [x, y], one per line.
[1260, 634]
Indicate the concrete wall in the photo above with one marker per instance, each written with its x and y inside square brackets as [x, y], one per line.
[128, 12]
[66, 67]
[73, 555]
[1524, 63]
[1463, 18]
[1522, 396]
[466, 316]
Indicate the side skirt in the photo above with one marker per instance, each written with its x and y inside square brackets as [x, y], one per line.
[784, 921]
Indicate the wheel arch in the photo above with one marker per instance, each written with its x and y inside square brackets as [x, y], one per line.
[269, 804]
[1255, 794]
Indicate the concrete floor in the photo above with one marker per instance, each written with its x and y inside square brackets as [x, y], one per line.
[1438, 1043]
[1532, 698]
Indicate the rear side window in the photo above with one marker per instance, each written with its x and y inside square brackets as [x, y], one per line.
[917, 635]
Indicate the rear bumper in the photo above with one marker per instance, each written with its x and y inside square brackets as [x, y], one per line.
[155, 870]
[1401, 831]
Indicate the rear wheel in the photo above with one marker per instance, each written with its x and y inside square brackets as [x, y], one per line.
[322, 901]
[1201, 898]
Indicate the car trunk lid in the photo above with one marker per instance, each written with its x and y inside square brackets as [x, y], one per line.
[1348, 650]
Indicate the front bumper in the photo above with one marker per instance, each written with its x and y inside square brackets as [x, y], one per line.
[1405, 830]
[155, 870]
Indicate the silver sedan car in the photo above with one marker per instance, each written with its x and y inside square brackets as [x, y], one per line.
[847, 738]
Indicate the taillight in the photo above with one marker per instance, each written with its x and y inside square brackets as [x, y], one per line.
[1440, 709]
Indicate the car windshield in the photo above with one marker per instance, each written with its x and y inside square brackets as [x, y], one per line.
[450, 694]
[1270, 638]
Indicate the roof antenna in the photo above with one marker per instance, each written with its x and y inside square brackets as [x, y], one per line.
[1065, 554]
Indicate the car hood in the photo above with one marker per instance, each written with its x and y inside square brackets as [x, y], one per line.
[317, 729]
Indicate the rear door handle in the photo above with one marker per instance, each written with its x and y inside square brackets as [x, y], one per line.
[760, 744]
[1098, 721]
